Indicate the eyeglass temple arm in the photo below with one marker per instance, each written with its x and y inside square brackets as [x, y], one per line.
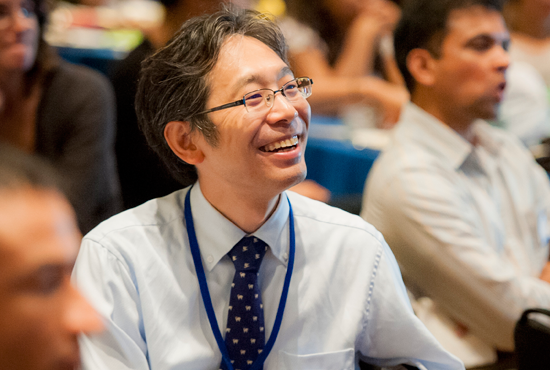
[225, 106]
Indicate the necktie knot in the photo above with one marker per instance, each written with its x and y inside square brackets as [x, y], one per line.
[247, 254]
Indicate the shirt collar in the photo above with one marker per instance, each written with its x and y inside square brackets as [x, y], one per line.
[216, 234]
[442, 140]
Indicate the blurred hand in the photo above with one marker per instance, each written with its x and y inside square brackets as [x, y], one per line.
[313, 190]
[382, 15]
[545, 275]
[392, 100]
[388, 97]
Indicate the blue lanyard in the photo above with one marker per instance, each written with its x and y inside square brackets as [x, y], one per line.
[193, 243]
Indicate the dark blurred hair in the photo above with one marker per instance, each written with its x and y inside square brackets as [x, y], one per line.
[20, 170]
[316, 15]
[45, 57]
[174, 85]
[423, 25]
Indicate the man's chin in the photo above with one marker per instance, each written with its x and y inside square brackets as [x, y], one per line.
[299, 178]
[488, 114]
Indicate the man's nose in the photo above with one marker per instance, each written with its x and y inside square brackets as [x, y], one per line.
[20, 21]
[502, 59]
[80, 316]
[282, 109]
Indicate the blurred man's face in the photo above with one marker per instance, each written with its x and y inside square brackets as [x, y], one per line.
[469, 75]
[40, 311]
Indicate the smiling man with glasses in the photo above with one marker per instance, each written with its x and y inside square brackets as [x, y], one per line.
[234, 272]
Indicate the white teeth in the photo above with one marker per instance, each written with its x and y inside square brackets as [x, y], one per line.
[282, 144]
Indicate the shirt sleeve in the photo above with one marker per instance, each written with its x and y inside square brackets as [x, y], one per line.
[393, 334]
[106, 281]
[439, 240]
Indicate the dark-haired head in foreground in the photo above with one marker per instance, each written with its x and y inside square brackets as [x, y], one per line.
[40, 312]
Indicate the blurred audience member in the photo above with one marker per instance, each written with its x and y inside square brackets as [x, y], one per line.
[345, 47]
[463, 205]
[40, 311]
[59, 111]
[529, 25]
[142, 175]
[525, 109]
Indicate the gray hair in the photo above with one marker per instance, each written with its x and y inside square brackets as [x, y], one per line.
[174, 82]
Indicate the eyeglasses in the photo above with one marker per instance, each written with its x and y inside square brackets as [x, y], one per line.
[294, 90]
[7, 14]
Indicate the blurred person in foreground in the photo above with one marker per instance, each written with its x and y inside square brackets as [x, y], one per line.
[41, 313]
[180, 279]
[463, 205]
[61, 112]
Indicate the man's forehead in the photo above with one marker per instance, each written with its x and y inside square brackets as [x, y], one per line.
[244, 60]
[470, 21]
[37, 225]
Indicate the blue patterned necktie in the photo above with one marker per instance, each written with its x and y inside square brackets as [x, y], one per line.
[245, 334]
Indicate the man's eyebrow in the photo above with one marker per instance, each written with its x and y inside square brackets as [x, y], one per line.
[285, 71]
[259, 78]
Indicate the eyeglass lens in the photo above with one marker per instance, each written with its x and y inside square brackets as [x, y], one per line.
[295, 90]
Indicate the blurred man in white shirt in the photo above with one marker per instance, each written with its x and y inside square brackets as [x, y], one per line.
[463, 205]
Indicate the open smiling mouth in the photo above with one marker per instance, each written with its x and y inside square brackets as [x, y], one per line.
[281, 146]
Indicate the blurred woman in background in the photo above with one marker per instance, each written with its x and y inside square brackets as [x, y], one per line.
[529, 24]
[59, 111]
[345, 47]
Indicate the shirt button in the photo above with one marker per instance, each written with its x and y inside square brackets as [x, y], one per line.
[209, 259]
[285, 256]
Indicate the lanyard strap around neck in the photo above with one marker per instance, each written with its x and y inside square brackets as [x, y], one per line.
[195, 251]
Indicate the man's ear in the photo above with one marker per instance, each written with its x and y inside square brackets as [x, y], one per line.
[421, 65]
[182, 141]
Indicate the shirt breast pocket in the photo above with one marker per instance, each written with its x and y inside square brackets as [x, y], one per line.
[339, 360]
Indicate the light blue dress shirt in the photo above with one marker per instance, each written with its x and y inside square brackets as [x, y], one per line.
[346, 297]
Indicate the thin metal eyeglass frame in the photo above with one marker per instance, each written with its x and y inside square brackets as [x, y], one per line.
[243, 101]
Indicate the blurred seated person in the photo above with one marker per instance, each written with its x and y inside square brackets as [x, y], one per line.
[345, 47]
[525, 108]
[142, 174]
[462, 204]
[61, 112]
[41, 313]
[528, 21]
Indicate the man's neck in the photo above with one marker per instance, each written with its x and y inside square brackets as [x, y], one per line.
[462, 124]
[247, 212]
